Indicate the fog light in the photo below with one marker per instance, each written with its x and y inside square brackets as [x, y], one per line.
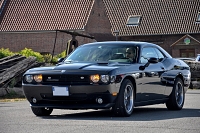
[99, 100]
[34, 100]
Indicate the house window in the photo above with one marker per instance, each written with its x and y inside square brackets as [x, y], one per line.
[134, 20]
[198, 18]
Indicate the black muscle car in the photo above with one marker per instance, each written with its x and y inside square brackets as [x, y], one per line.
[102, 75]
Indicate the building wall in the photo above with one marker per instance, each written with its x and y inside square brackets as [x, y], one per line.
[165, 41]
[44, 41]
[39, 42]
[98, 24]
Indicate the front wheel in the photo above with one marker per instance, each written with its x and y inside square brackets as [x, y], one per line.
[177, 97]
[41, 111]
[125, 100]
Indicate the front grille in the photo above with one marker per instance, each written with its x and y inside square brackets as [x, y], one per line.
[66, 79]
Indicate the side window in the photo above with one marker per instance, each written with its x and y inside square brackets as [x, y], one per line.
[147, 53]
[160, 54]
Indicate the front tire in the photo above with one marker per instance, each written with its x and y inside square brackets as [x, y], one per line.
[41, 111]
[125, 101]
[177, 97]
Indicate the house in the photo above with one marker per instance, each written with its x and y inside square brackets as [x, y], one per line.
[171, 24]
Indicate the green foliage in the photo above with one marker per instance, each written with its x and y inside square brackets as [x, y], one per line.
[47, 58]
[61, 55]
[11, 94]
[12, 83]
[56, 57]
[29, 52]
[5, 53]
[54, 60]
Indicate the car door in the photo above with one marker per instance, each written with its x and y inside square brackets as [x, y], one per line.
[151, 85]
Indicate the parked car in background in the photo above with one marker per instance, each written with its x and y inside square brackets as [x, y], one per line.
[198, 57]
[103, 75]
[186, 59]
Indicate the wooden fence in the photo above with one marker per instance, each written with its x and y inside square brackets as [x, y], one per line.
[13, 67]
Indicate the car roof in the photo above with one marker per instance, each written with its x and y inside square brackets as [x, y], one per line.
[133, 43]
[136, 43]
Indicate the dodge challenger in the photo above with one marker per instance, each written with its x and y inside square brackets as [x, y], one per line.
[115, 75]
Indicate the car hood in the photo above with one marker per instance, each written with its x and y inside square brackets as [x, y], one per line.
[79, 67]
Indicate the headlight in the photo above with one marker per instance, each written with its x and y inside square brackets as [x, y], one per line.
[38, 78]
[95, 78]
[29, 78]
[105, 78]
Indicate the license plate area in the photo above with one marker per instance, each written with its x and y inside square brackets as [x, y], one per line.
[60, 91]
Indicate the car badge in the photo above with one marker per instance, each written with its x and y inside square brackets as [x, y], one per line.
[49, 77]
[82, 77]
[63, 71]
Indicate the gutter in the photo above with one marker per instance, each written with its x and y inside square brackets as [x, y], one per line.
[2, 6]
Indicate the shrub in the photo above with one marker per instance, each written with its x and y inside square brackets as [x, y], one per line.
[12, 83]
[56, 57]
[29, 52]
[61, 55]
[47, 58]
[5, 53]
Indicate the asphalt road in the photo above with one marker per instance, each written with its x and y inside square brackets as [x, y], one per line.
[17, 117]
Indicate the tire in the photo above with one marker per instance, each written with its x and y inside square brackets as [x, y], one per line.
[177, 97]
[41, 111]
[125, 101]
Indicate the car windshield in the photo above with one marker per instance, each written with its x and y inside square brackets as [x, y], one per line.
[105, 53]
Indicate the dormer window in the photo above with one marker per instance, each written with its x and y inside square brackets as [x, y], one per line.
[133, 20]
[198, 18]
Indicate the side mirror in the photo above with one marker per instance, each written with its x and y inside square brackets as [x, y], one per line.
[152, 60]
[60, 60]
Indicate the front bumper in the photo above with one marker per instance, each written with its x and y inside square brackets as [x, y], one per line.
[80, 97]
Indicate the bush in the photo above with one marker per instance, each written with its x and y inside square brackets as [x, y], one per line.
[5, 53]
[61, 55]
[56, 57]
[47, 58]
[29, 52]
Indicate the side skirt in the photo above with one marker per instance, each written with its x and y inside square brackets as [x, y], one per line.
[151, 102]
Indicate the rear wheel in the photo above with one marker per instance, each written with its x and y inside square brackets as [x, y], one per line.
[177, 97]
[42, 111]
[125, 100]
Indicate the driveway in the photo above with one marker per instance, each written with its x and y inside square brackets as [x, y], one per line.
[16, 117]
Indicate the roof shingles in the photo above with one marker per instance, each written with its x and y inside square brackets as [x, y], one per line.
[158, 16]
[34, 15]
